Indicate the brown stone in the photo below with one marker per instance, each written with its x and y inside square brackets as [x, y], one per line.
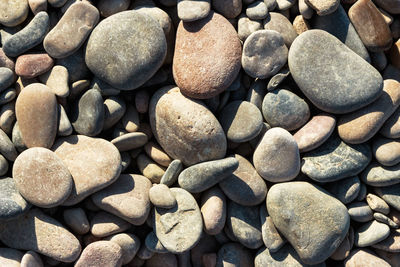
[5, 61]
[13, 12]
[207, 56]
[105, 224]
[213, 210]
[100, 253]
[364, 258]
[370, 26]
[37, 5]
[323, 7]
[108, 8]
[71, 30]
[301, 25]
[32, 65]
[361, 125]
[386, 151]
[57, 80]
[149, 168]
[391, 243]
[36, 111]
[154, 151]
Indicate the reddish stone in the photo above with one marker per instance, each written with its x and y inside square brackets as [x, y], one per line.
[32, 65]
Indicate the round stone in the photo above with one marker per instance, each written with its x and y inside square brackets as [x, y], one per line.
[360, 212]
[376, 175]
[391, 243]
[100, 253]
[189, 10]
[41, 177]
[272, 239]
[213, 210]
[172, 172]
[257, 10]
[160, 196]
[57, 80]
[247, 26]
[12, 203]
[390, 194]
[154, 151]
[13, 13]
[264, 54]
[149, 168]
[132, 54]
[386, 151]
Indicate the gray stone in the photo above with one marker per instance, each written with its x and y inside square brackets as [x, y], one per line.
[104, 88]
[153, 244]
[108, 8]
[277, 79]
[257, 10]
[278, 22]
[105, 224]
[31, 259]
[391, 194]
[130, 141]
[256, 93]
[29, 37]
[284, 4]
[391, 243]
[234, 254]
[7, 95]
[3, 165]
[191, 10]
[6, 78]
[114, 110]
[348, 75]
[370, 233]
[347, 190]
[271, 4]
[292, 205]
[379, 60]
[247, 26]
[12, 203]
[377, 204]
[360, 212]
[17, 138]
[305, 10]
[161, 197]
[271, 237]
[76, 219]
[131, 56]
[323, 7]
[363, 192]
[377, 175]
[64, 125]
[382, 218]
[172, 172]
[335, 160]
[228, 8]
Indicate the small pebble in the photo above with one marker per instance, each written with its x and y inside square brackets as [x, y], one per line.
[161, 197]
[105, 224]
[129, 244]
[76, 219]
[101, 253]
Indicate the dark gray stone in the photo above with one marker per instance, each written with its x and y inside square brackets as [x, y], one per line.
[391, 194]
[278, 22]
[153, 244]
[344, 83]
[3, 165]
[256, 93]
[7, 148]
[378, 175]
[12, 204]
[277, 79]
[347, 190]
[270, 235]
[104, 88]
[29, 37]
[6, 78]
[8, 95]
[370, 233]
[234, 254]
[76, 66]
[172, 172]
[360, 212]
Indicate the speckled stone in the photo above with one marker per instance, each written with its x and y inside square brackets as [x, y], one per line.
[292, 205]
[278, 22]
[108, 8]
[94, 163]
[234, 254]
[161, 197]
[335, 160]
[207, 56]
[10, 257]
[390, 194]
[100, 253]
[76, 219]
[36, 111]
[13, 12]
[386, 151]
[132, 56]
[191, 10]
[32, 65]
[317, 45]
[300, 24]
[324, 7]
[129, 244]
[130, 141]
[12, 203]
[105, 224]
[378, 175]
[175, 122]
[40, 233]
[347, 190]
[31, 259]
[371, 233]
[364, 258]
[213, 210]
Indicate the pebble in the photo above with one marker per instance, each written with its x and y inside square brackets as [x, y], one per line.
[347, 190]
[42, 234]
[127, 198]
[270, 235]
[391, 243]
[109, 8]
[213, 210]
[305, 10]
[105, 224]
[390, 194]
[330, 162]
[153, 244]
[10, 257]
[32, 65]
[371, 233]
[257, 10]
[385, 219]
[161, 197]
[13, 13]
[136, 55]
[94, 163]
[171, 174]
[300, 24]
[76, 219]
[156, 153]
[228, 8]
[317, 45]
[379, 60]
[8, 95]
[149, 168]
[64, 125]
[234, 254]
[377, 204]
[391, 128]
[360, 212]
[386, 151]
[7, 117]
[129, 244]
[364, 258]
[247, 26]
[6, 78]
[31, 259]
[13, 204]
[284, 4]
[290, 206]
[182, 134]
[114, 109]
[57, 80]
[192, 10]
[130, 121]
[76, 66]
[169, 224]
[377, 175]
[207, 56]
[324, 7]
[130, 141]
[100, 253]
[276, 157]
[278, 22]
[6, 61]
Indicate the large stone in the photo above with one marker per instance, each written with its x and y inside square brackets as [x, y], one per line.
[14, 12]
[12, 203]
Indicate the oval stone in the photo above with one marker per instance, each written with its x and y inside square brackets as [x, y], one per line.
[386, 151]
[391, 128]
[391, 194]
[37, 115]
[185, 128]
[161, 197]
[278, 22]
[370, 233]
[350, 84]
[32, 65]
[100, 253]
[130, 141]
[207, 56]
[14, 12]
[12, 204]
[132, 54]
[360, 212]
[272, 239]
[105, 224]
[377, 175]
[377, 204]
[213, 210]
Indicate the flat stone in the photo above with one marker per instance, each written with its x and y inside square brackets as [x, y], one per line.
[41, 177]
[390, 194]
[377, 175]
[32, 65]
[29, 37]
[347, 190]
[129, 244]
[105, 224]
[272, 239]
[10, 257]
[127, 198]
[31, 259]
[228, 8]
[180, 228]
[317, 45]
[13, 12]
[370, 233]
[100, 253]
[130, 141]
[132, 57]
[191, 10]
[257, 10]
[213, 210]
[276, 157]
[360, 212]
[12, 203]
[207, 56]
[108, 8]
[292, 204]
[361, 125]
[176, 124]
[171, 173]
[76, 219]
[364, 258]
[247, 26]
[278, 22]
[57, 80]
[386, 151]
[377, 204]
[325, 7]
[154, 151]
[234, 254]
[335, 160]
[36, 111]
[94, 163]
[391, 128]
[149, 168]
[42, 234]
[161, 197]
[370, 25]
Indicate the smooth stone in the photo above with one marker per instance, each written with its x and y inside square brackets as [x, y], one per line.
[104, 88]
[57, 3]
[13, 204]
[386, 151]
[7, 117]
[370, 25]
[172, 172]
[114, 110]
[245, 224]
[127, 198]
[31, 259]
[213, 210]
[282, 108]
[149, 168]
[270, 235]
[364, 258]
[256, 93]
[41, 169]
[247, 26]
[180, 228]
[36, 111]
[361, 125]
[315, 132]
[335, 160]
[191, 10]
[108, 8]
[94, 163]
[391, 243]
[360, 212]
[132, 57]
[234, 254]
[394, 215]
[6, 61]
[202, 176]
[13, 12]
[370, 233]
[207, 56]
[76, 66]
[390, 194]
[377, 204]
[241, 121]
[156, 153]
[42, 234]
[142, 99]
[339, 25]
[69, 34]
[347, 190]
[264, 54]
[7, 148]
[257, 10]
[37, 6]
[244, 186]
[32, 65]
[6, 78]
[64, 125]
[10, 257]
[105, 224]
[385, 219]
[130, 141]
[278, 22]
[76, 219]
[153, 244]
[283, 5]
[376, 175]
[57, 80]
[391, 128]
[228, 8]
[290, 206]
[300, 24]
[29, 37]
[324, 7]
[129, 244]
[130, 121]
[175, 122]
[3, 165]
[276, 157]
[100, 253]
[316, 45]
[343, 251]
[161, 197]
[87, 113]
[7, 95]
[363, 192]
[17, 139]
[392, 258]
[305, 10]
